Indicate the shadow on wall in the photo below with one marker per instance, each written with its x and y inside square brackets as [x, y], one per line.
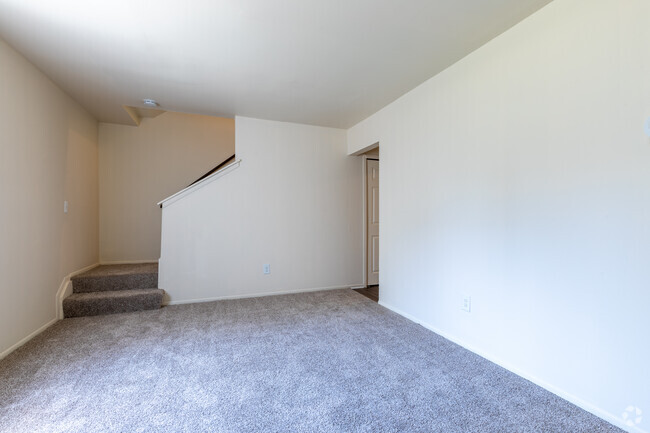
[294, 204]
[141, 166]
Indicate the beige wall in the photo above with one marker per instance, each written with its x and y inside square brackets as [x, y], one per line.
[48, 148]
[521, 177]
[295, 203]
[139, 166]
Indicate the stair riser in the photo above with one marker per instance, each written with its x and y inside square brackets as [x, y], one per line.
[95, 307]
[116, 282]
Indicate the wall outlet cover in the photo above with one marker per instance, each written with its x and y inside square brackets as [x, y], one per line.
[467, 303]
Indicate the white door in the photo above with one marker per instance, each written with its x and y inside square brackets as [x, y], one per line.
[372, 223]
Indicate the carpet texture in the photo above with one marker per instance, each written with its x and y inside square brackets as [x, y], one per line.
[117, 277]
[111, 289]
[330, 361]
[119, 301]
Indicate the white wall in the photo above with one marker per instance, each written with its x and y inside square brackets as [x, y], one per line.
[521, 176]
[294, 203]
[139, 166]
[48, 148]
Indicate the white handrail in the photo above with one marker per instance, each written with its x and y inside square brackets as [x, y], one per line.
[182, 193]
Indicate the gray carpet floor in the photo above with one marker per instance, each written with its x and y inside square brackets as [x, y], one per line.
[331, 361]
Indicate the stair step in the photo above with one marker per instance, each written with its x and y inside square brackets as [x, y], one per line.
[112, 302]
[116, 277]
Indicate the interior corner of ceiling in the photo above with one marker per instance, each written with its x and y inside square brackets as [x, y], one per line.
[363, 150]
[133, 115]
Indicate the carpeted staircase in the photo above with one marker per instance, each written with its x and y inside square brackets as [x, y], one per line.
[110, 289]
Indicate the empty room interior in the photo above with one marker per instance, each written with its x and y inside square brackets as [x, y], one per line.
[325, 216]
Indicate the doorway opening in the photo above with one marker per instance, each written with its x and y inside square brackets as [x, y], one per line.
[370, 166]
[372, 221]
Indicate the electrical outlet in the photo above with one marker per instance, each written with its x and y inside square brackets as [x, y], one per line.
[467, 303]
[266, 268]
[65, 206]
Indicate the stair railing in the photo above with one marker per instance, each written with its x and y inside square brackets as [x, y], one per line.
[221, 169]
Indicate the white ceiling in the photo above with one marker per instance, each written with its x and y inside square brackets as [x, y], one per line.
[323, 62]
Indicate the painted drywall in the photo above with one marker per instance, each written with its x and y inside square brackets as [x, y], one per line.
[49, 154]
[295, 202]
[139, 166]
[520, 176]
[311, 62]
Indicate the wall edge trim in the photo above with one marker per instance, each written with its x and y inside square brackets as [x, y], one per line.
[65, 289]
[257, 295]
[20, 343]
[582, 404]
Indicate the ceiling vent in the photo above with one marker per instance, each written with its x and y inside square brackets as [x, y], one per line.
[150, 103]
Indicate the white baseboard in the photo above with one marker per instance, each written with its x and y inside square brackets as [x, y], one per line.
[255, 295]
[65, 289]
[26, 339]
[126, 262]
[607, 416]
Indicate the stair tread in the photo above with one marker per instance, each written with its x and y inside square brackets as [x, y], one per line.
[119, 270]
[117, 277]
[112, 302]
[113, 294]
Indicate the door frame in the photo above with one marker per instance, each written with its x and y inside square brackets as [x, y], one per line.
[364, 165]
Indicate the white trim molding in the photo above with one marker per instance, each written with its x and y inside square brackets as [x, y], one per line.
[7, 351]
[364, 199]
[253, 295]
[65, 289]
[609, 417]
[364, 216]
[127, 262]
[214, 176]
